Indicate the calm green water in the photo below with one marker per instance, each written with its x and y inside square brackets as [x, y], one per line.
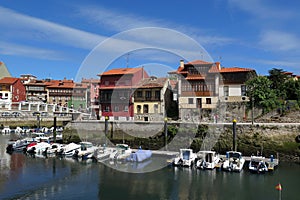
[24, 177]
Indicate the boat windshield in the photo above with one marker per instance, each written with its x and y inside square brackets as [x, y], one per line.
[186, 155]
[234, 155]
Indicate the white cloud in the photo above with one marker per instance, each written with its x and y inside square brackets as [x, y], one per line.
[263, 9]
[42, 30]
[23, 50]
[120, 21]
[279, 41]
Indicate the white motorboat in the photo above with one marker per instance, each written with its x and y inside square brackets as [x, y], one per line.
[104, 153]
[207, 159]
[18, 145]
[40, 137]
[70, 149]
[234, 161]
[87, 150]
[38, 148]
[257, 164]
[55, 148]
[121, 153]
[186, 158]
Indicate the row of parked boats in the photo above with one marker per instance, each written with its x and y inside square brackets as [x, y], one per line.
[233, 161]
[44, 146]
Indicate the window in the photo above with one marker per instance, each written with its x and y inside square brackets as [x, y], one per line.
[191, 101]
[208, 100]
[226, 91]
[106, 83]
[116, 109]
[126, 108]
[157, 94]
[243, 90]
[138, 108]
[199, 103]
[148, 94]
[139, 94]
[145, 108]
[106, 109]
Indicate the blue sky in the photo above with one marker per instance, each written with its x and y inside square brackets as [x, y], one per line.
[60, 39]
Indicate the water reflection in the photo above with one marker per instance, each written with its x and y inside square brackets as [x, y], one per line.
[23, 177]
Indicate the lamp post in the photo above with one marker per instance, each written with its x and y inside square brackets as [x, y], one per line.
[166, 132]
[234, 134]
[252, 111]
[106, 129]
[38, 121]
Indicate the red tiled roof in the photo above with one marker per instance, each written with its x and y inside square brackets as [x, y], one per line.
[214, 69]
[198, 62]
[92, 80]
[8, 80]
[235, 69]
[152, 83]
[195, 62]
[67, 84]
[195, 77]
[121, 71]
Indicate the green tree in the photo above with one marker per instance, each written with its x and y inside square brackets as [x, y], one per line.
[260, 93]
[278, 79]
[292, 88]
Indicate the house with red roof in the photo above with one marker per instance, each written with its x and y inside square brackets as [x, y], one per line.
[152, 99]
[203, 85]
[60, 92]
[116, 93]
[12, 90]
[232, 83]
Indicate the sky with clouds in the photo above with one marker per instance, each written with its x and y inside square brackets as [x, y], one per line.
[75, 39]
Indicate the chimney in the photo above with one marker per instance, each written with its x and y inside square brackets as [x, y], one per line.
[218, 65]
[181, 64]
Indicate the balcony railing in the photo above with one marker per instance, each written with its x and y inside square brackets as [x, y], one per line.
[146, 99]
[198, 94]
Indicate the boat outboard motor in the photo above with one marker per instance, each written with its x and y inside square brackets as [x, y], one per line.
[75, 155]
[9, 148]
[59, 153]
[31, 151]
[44, 153]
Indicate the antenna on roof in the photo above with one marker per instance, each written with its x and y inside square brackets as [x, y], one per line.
[127, 60]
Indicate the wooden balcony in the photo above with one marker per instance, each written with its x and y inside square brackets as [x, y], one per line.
[198, 94]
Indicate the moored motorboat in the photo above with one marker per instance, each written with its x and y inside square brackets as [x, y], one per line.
[104, 153]
[87, 150]
[18, 145]
[207, 159]
[121, 153]
[54, 148]
[70, 149]
[257, 164]
[234, 161]
[139, 155]
[186, 158]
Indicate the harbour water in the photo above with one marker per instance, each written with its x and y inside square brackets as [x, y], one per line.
[24, 177]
